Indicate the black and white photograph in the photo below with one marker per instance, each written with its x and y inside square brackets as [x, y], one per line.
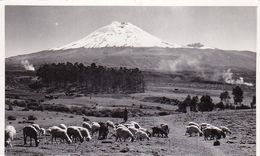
[130, 80]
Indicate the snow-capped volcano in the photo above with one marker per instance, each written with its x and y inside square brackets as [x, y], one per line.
[118, 34]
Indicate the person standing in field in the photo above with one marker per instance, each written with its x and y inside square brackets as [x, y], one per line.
[125, 115]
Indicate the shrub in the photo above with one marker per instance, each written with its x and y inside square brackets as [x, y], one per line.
[85, 119]
[243, 107]
[220, 105]
[163, 113]
[25, 109]
[117, 113]
[32, 117]
[11, 117]
[158, 108]
[10, 107]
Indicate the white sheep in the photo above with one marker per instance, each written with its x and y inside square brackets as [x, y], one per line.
[133, 130]
[95, 127]
[42, 131]
[193, 129]
[10, 132]
[193, 123]
[135, 124]
[74, 133]
[110, 124]
[60, 133]
[37, 127]
[225, 129]
[124, 133]
[85, 133]
[146, 131]
[212, 132]
[140, 135]
[87, 125]
[63, 126]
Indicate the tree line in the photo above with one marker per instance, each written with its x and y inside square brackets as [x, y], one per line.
[92, 78]
[205, 103]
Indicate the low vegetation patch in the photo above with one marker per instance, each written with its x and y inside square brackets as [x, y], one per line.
[11, 117]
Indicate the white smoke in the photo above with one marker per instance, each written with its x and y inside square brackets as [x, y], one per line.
[228, 78]
[180, 64]
[27, 66]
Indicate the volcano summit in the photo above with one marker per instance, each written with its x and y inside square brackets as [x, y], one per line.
[118, 34]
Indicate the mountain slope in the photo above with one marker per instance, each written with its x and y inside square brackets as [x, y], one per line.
[164, 59]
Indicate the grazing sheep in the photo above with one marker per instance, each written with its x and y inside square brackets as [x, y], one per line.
[204, 125]
[165, 127]
[87, 125]
[140, 135]
[124, 133]
[159, 131]
[110, 124]
[133, 130]
[30, 131]
[193, 129]
[95, 127]
[135, 124]
[48, 131]
[225, 129]
[193, 123]
[59, 133]
[63, 126]
[128, 125]
[42, 131]
[146, 131]
[103, 131]
[213, 133]
[37, 127]
[10, 132]
[84, 132]
[74, 133]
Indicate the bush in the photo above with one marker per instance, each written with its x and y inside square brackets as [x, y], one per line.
[243, 107]
[85, 119]
[32, 117]
[10, 117]
[25, 109]
[10, 107]
[117, 113]
[220, 105]
[163, 113]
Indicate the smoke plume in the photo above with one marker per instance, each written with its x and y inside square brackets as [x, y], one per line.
[228, 78]
[27, 66]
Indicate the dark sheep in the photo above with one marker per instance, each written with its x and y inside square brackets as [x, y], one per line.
[159, 131]
[103, 131]
[30, 131]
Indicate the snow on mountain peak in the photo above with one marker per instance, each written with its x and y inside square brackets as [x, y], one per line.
[118, 34]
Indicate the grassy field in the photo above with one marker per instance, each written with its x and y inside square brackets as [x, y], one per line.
[146, 110]
[240, 142]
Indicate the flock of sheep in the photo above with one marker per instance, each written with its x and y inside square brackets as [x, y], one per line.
[207, 130]
[124, 131]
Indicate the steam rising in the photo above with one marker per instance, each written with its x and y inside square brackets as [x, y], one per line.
[193, 64]
[27, 66]
[180, 64]
[228, 78]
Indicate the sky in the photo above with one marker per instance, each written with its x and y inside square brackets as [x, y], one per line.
[31, 29]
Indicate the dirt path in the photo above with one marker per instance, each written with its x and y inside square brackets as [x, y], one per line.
[188, 145]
